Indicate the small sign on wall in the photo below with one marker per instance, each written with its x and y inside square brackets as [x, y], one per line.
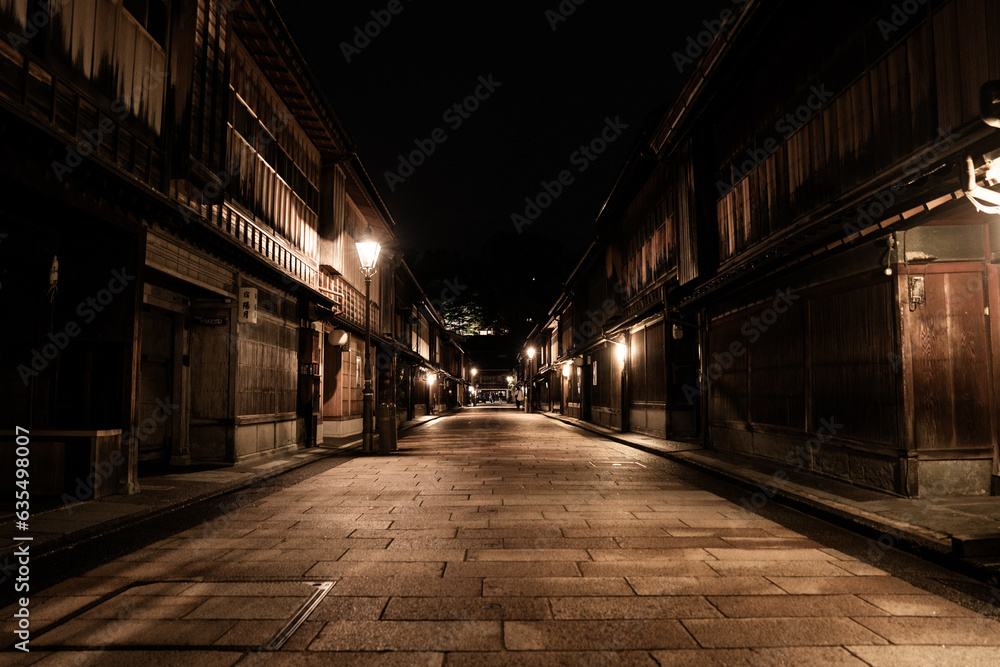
[248, 305]
[211, 321]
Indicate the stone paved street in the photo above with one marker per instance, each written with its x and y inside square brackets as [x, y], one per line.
[499, 538]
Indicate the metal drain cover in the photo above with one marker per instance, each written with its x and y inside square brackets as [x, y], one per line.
[241, 615]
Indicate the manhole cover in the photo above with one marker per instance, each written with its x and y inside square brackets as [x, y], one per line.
[240, 615]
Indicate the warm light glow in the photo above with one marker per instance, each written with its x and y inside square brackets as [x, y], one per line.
[509, 379]
[622, 352]
[531, 353]
[368, 250]
[474, 371]
[431, 378]
[567, 369]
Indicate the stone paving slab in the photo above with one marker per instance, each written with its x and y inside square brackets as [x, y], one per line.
[409, 636]
[132, 658]
[768, 657]
[920, 656]
[558, 557]
[468, 609]
[604, 635]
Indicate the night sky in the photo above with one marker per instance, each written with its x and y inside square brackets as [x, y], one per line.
[555, 80]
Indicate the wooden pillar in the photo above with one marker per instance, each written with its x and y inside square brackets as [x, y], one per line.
[132, 351]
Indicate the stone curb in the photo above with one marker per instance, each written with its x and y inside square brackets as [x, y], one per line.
[105, 528]
[940, 547]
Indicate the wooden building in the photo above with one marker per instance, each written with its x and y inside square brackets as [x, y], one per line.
[433, 369]
[802, 252]
[180, 205]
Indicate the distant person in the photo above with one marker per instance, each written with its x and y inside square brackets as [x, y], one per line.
[518, 397]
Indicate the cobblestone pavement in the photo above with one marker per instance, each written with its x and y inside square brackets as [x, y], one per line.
[497, 538]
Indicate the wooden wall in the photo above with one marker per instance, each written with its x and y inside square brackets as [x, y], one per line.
[828, 357]
[883, 111]
[267, 381]
[278, 170]
[606, 393]
[649, 234]
[948, 341]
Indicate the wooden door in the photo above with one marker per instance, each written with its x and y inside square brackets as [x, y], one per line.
[154, 434]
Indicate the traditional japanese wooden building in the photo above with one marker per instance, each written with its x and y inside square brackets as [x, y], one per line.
[432, 373]
[805, 250]
[177, 226]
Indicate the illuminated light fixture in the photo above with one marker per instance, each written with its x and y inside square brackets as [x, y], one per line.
[622, 351]
[368, 250]
[984, 199]
[567, 369]
[887, 257]
[431, 379]
[509, 379]
[531, 353]
[474, 372]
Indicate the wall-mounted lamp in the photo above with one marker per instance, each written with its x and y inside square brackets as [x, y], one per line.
[431, 379]
[890, 243]
[567, 369]
[622, 351]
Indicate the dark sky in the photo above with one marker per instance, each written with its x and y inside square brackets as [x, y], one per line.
[557, 89]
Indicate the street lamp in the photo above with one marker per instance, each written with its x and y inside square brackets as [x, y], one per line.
[529, 381]
[431, 378]
[368, 251]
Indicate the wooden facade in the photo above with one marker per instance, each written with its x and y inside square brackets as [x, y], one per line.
[800, 267]
[172, 163]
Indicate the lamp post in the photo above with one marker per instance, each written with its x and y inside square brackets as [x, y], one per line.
[475, 371]
[368, 251]
[529, 380]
